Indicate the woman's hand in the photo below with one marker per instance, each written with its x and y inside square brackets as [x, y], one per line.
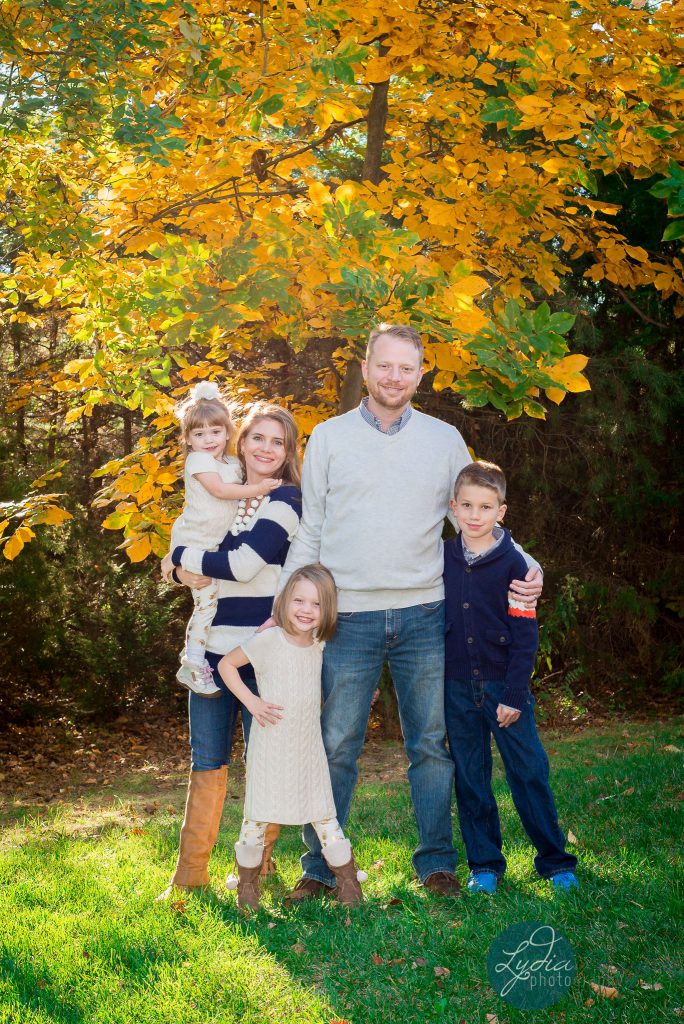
[191, 579]
[167, 568]
[263, 711]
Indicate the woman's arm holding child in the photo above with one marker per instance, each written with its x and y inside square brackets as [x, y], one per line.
[218, 488]
[262, 710]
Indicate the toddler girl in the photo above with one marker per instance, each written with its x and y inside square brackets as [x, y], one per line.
[216, 501]
[288, 781]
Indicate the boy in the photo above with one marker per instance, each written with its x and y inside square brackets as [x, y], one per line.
[491, 643]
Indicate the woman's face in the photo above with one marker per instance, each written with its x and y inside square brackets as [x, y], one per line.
[263, 449]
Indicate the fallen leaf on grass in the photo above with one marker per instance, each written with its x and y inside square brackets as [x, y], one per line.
[621, 924]
[589, 1001]
[609, 967]
[272, 924]
[604, 990]
[394, 902]
[377, 960]
[572, 838]
[299, 948]
[442, 972]
[136, 832]
[656, 987]
[492, 1018]
[628, 792]
[671, 749]
[339, 1020]
[376, 865]
[179, 907]
[419, 962]
[347, 921]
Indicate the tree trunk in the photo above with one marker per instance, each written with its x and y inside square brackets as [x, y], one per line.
[20, 420]
[352, 385]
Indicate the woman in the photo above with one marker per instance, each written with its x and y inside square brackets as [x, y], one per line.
[247, 565]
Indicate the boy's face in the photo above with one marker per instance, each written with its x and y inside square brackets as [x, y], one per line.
[477, 510]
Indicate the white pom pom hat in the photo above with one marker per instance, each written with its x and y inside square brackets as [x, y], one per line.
[207, 389]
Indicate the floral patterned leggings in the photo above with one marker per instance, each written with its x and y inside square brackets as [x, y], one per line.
[328, 831]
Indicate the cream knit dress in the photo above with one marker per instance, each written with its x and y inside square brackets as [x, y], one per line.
[288, 782]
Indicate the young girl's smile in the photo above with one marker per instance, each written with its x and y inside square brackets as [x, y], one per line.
[209, 439]
[303, 610]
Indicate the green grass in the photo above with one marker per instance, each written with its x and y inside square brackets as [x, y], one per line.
[83, 941]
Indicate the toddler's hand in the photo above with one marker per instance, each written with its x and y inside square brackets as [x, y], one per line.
[506, 716]
[166, 567]
[271, 484]
[268, 624]
[264, 712]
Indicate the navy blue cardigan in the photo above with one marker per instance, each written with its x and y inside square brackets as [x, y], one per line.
[488, 638]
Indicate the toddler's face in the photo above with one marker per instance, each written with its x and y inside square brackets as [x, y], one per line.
[209, 439]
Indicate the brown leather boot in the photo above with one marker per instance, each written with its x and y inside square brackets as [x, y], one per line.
[268, 866]
[347, 874]
[249, 860]
[199, 831]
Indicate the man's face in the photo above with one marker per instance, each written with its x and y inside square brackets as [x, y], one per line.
[393, 372]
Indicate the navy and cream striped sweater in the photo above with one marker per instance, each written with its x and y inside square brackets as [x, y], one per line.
[247, 567]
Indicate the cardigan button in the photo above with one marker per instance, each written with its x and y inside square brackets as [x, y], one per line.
[466, 605]
[476, 671]
[471, 640]
[468, 569]
[502, 639]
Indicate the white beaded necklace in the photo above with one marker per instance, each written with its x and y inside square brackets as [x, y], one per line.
[245, 511]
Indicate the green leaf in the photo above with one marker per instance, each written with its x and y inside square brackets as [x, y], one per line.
[674, 230]
[496, 109]
[272, 105]
[561, 322]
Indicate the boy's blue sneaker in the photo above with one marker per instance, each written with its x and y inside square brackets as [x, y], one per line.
[482, 881]
[565, 881]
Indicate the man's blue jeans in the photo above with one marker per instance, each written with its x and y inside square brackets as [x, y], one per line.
[471, 722]
[212, 721]
[412, 641]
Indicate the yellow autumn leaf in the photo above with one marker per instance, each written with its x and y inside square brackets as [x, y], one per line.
[555, 395]
[74, 414]
[13, 547]
[52, 516]
[139, 549]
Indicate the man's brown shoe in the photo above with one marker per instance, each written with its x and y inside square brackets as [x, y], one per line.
[443, 883]
[307, 889]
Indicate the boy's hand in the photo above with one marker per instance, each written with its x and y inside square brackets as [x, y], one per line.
[263, 711]
[529, 589]
[506, 716]
[268, 624]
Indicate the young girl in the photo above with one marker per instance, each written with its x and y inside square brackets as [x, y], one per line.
[216, 501]
[288, 781]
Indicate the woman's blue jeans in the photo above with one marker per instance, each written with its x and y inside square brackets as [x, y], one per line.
[212, 721]
[412, 641]
[471, 723]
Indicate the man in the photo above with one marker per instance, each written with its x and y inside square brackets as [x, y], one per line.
[377, 485]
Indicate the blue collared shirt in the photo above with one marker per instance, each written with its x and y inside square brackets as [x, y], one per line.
[373, 420]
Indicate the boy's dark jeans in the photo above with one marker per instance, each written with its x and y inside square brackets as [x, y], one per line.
[471, 721]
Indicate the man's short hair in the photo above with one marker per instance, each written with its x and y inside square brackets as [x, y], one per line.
[483, 474]
[401, 331]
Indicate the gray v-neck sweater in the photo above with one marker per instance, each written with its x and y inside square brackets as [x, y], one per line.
[374, 508]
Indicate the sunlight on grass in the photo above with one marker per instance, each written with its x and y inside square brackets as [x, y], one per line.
[83, 940]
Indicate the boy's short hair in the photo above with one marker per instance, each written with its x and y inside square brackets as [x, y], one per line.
[324, 582]
[483, 474]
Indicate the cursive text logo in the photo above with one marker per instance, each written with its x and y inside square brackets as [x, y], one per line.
[531, 965]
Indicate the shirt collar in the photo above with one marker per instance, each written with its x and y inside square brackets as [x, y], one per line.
[373, 420]
[473, 556]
